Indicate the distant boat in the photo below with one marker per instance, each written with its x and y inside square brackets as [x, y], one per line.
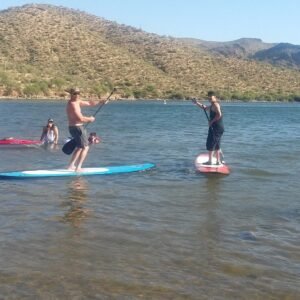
[165, 102]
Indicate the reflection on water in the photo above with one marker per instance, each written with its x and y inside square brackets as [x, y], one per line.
[50, 147]
[76, 199]
[211, 224]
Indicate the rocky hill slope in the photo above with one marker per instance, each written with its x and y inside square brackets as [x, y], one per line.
[45, 49]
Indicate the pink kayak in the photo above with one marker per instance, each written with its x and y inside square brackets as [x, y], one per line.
[14, 141]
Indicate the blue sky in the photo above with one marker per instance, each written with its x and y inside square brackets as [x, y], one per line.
[211, 20]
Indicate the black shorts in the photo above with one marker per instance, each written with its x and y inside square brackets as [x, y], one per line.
[213, 141]
[79, 134]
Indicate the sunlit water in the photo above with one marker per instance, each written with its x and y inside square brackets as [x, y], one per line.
[167, 233]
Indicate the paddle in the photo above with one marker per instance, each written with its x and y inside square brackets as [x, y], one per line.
[69, 146]
[195, 101]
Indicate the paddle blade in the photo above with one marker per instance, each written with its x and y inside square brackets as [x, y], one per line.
[69, 147]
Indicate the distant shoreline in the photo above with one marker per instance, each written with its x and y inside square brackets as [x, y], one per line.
[41, 99]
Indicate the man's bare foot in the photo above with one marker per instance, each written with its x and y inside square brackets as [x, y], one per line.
[78, 170]
[71, 168]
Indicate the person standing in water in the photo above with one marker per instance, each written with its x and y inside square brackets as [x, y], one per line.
[50, 133]
[216, 127]
[76, 121]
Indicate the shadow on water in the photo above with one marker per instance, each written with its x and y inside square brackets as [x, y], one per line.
[76, 199]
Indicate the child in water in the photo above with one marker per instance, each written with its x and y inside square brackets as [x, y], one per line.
[93, 138]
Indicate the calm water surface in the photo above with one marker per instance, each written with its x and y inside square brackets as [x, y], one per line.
[168, 233]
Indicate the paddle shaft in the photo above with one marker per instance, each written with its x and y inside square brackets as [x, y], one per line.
[206, 114]
[107, 99]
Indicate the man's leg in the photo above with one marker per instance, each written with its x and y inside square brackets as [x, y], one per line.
[75, 156]
[82, 157]
[218, 157]
[210, 156]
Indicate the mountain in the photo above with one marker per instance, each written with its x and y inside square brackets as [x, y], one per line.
[283, 54]
[241, 48]
[277, 54]
[45, 49]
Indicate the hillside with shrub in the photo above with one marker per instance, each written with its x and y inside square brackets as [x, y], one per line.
[46, 49]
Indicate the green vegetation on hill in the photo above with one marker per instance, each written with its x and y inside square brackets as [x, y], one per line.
[45, 49]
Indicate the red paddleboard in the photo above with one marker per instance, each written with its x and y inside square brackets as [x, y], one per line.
[216, 169]
[13, 141]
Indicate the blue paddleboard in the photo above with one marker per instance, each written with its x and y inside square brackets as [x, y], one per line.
[84, 172]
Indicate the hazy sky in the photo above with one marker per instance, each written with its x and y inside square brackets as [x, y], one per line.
[212, 20]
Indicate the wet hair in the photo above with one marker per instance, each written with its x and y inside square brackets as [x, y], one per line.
[74, 91]
[211, 93]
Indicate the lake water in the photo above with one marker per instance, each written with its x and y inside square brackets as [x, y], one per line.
[167, 233]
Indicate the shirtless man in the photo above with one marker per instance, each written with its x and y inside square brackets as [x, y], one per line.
[76, 120]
